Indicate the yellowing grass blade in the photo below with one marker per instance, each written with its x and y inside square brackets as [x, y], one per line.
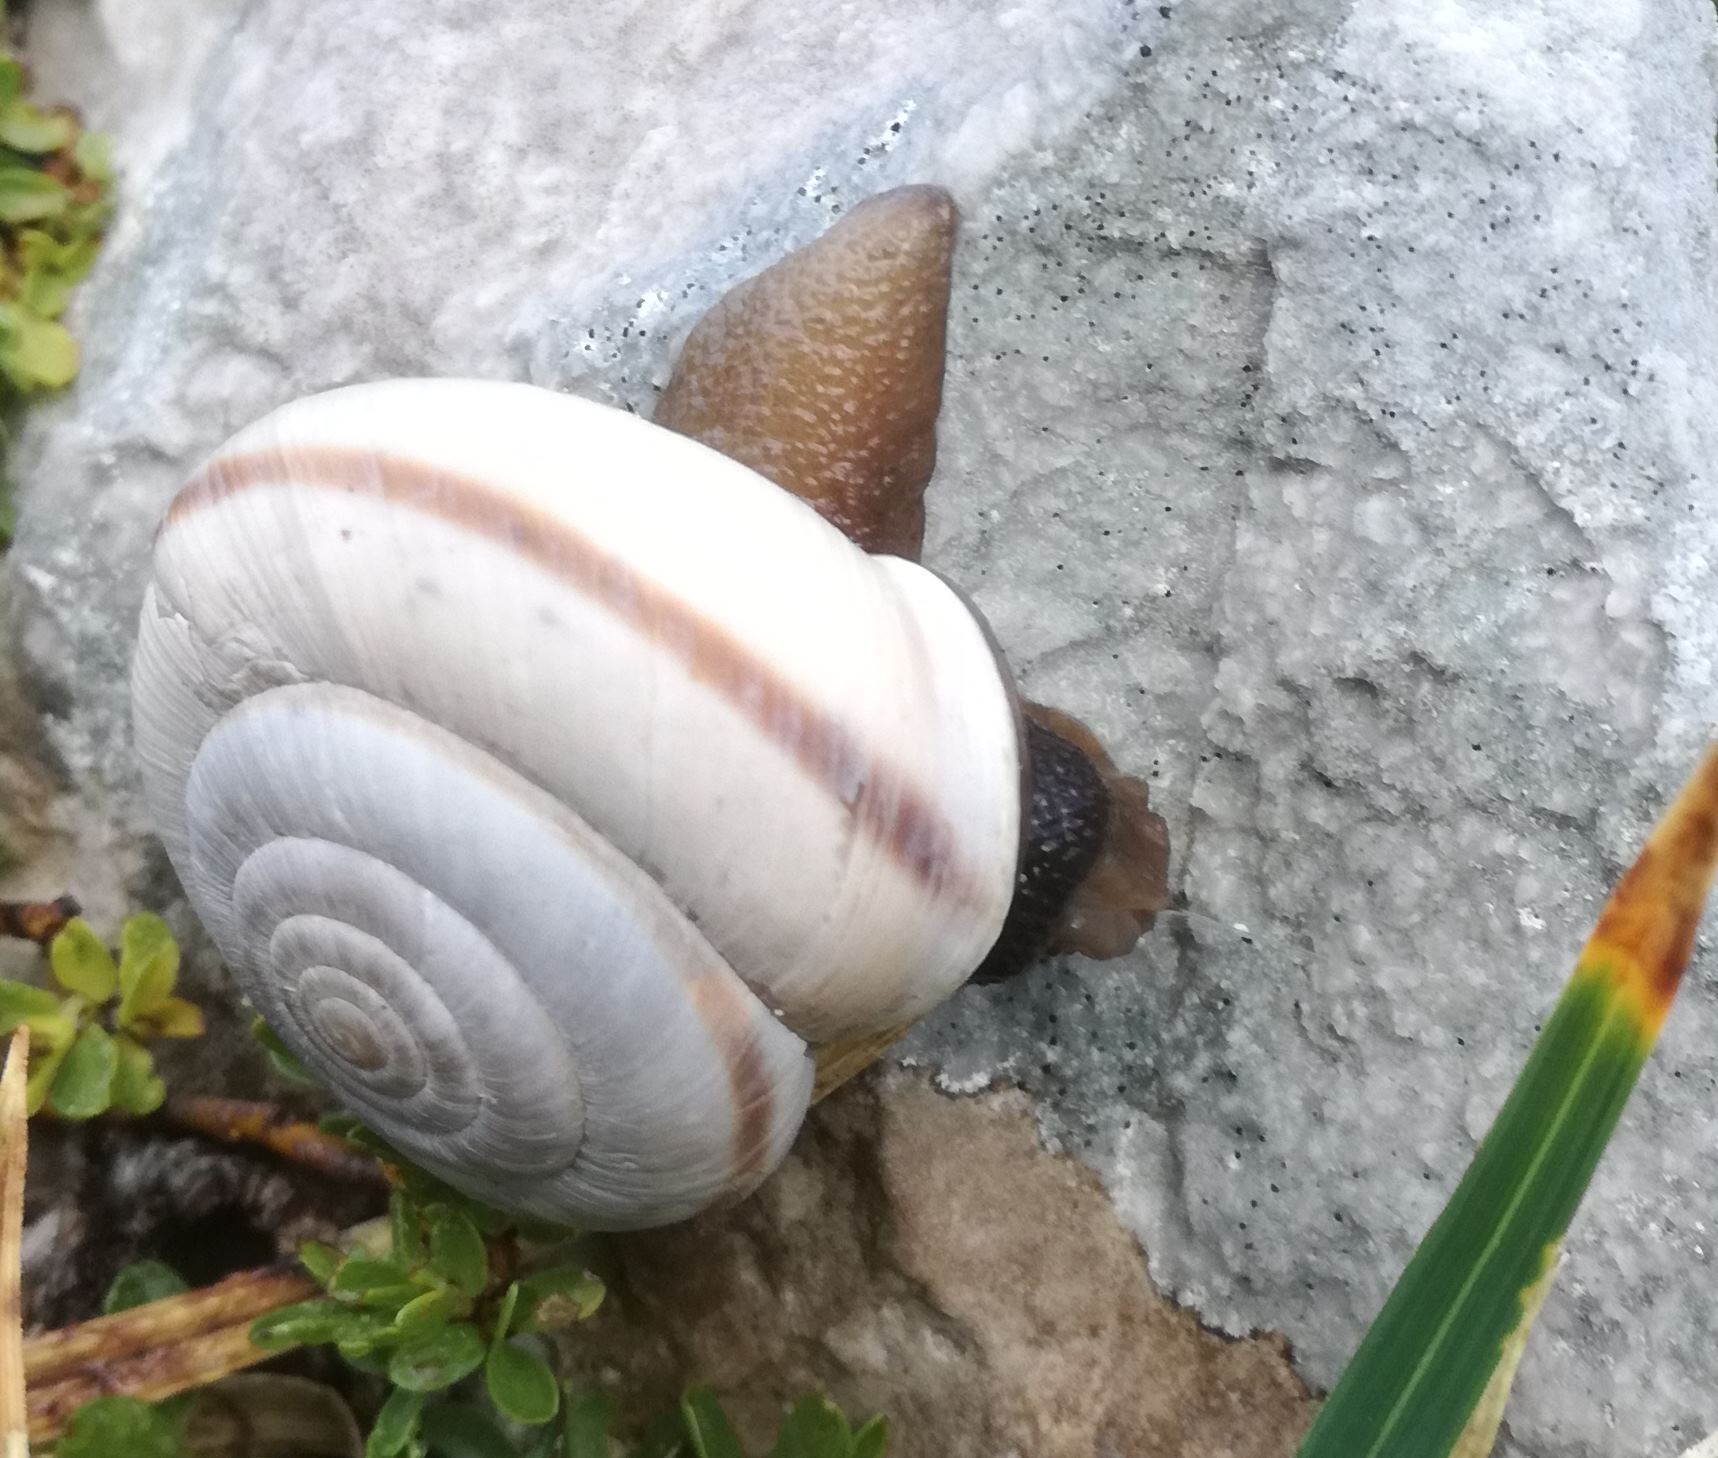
[1431, 1375]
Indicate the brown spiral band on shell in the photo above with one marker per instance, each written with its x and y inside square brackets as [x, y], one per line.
[887, 808]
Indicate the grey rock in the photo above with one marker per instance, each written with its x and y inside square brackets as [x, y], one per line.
[1329, 421]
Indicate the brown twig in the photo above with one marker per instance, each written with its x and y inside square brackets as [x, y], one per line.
[154, 1351]
[174, 1318]
[148, 1376]
[37, 921]
[14, 1134]
[240, 1121]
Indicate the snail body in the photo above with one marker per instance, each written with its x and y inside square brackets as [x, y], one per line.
[556, 785]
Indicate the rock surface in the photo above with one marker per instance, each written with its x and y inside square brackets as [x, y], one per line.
[924, 1257]
[1329, 421]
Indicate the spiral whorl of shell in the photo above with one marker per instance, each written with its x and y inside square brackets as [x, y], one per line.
[550, 781]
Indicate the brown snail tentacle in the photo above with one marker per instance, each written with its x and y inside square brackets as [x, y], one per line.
[824, 372]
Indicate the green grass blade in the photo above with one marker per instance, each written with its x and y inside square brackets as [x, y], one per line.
[1431, 1375]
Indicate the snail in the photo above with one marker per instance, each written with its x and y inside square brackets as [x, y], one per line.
[574, 793]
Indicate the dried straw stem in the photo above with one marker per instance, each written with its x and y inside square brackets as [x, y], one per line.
[14, 1135]
[156, 1350]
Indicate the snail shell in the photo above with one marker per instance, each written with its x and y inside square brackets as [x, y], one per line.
[552, 782]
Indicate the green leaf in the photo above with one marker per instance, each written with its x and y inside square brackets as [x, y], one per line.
[140, 1283]
[872, 1440]
[558, 1298]
[53, 1028]
[93, 152]
[430, 1309]
[814, 1429]
[373, 1362]
[44, 1070]
[456, 1249]
[520, 1384]
[1432, 1374]
[435, 1359]
[136, 1087]
[22, 1003]
[82, 962]
[48, 1049]
[35, 353]
[306, 1323]
[322, 1261]
[148, 965]
[359, 1276]
[70, 260]
[393, 1299]
[585, 1431]
[27, 128]
[85, 220]
[461, 1430]
[405, 1224]
[83, 1087]
[44, 293]
[11, 76]
[707, 1426]
[118, 1427]
[426, 1190]
[27, 196]
[1480, 1435]
[172, 1017]
[363, 1331]
[396, 1424]
[504, 1316]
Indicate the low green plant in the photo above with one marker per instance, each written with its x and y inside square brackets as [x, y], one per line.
[123, 1427]
[444, 1408]
[88, 1039]
[430, 1298]
[425, 1300]
[56, 183]
[139, 1284]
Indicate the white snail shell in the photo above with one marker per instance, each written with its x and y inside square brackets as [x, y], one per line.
[550, 782]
